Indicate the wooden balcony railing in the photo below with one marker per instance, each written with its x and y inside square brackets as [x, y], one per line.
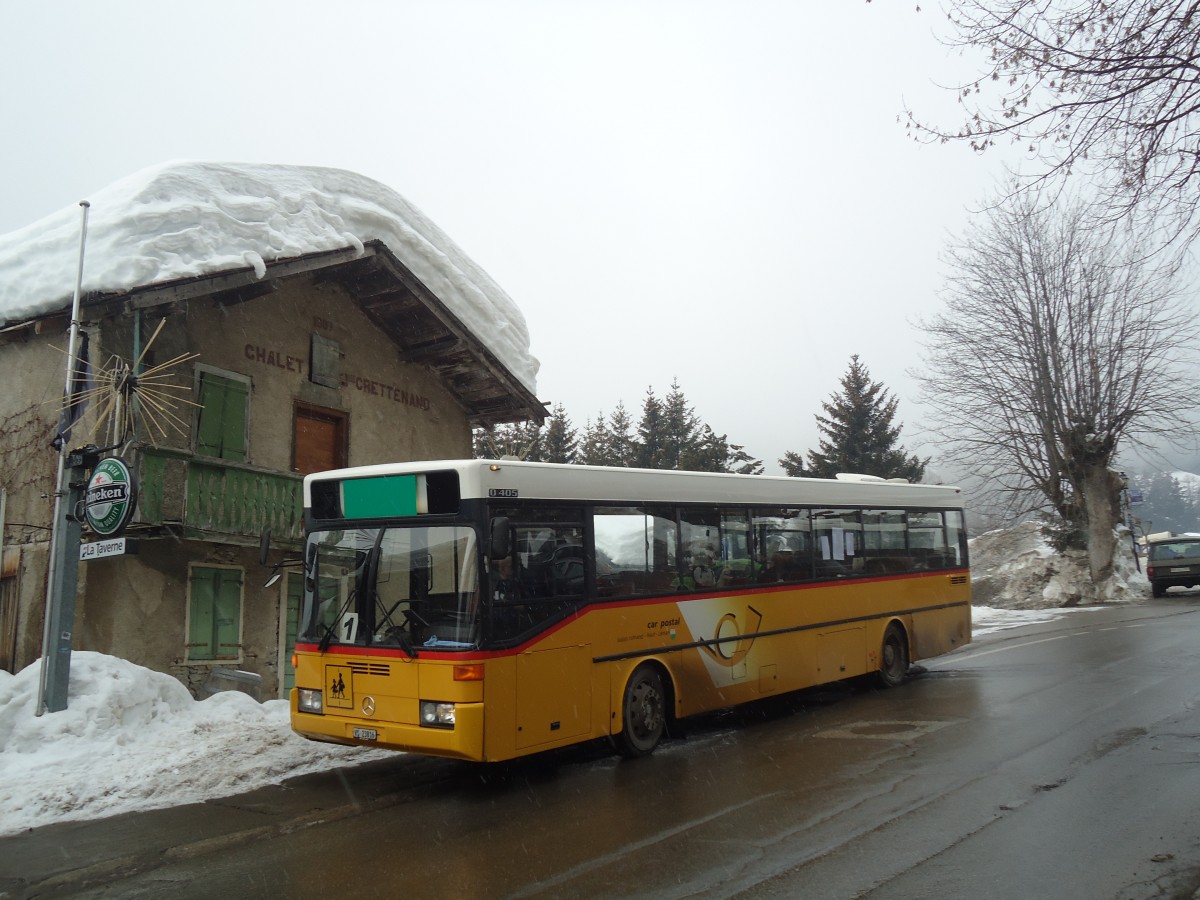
[211, 498]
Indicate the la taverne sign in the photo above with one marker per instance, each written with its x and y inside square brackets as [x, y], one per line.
[101, 549]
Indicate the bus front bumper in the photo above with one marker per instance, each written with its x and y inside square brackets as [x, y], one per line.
[463, 741]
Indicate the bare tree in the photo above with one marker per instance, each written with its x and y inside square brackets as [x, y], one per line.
[1057, 348]
[1113, 87]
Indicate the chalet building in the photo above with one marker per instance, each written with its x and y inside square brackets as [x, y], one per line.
[280, 321]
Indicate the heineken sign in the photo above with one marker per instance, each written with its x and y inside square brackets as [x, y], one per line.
[111, 497]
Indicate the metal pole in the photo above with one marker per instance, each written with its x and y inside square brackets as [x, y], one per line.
[3, 522]
[53, 577]
[11, 650]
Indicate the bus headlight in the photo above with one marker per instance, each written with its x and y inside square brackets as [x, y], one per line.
[437, 715]
[309, 701]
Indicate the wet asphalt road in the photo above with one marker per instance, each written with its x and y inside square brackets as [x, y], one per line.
[1060, 760]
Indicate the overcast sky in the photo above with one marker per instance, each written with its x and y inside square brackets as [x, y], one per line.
[717, 192]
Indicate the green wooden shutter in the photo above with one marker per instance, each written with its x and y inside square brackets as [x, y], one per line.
[214, 623]
[228, 613]
[221, 430]
[200, 620]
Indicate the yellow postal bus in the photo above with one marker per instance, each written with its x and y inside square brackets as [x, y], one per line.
[483, 610]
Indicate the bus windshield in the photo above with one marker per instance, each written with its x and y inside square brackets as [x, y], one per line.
[402, 587]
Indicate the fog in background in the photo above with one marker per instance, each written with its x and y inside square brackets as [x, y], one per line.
[715, 192]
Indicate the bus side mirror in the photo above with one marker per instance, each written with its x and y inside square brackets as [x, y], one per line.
[501, 544]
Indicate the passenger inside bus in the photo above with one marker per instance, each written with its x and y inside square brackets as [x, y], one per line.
[506, 586]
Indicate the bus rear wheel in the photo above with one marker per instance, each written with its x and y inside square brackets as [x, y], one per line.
[643, 713]
[893, 658]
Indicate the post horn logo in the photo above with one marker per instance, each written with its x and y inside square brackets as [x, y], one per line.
[731, 645]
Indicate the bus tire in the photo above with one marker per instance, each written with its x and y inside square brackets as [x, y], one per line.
[643, 713]
[893, 657]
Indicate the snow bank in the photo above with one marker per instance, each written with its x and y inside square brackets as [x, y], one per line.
[183, 219]
[1014, 568]
[134, 739]
[988, 619]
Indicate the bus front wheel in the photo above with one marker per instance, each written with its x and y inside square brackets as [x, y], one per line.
[643, 713]
[893, 663]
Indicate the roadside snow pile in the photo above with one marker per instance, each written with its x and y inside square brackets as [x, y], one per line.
[133, 739]
[988, 619]
[1014, 568]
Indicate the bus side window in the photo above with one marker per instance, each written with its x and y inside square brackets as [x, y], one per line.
[782, 545]
[737, 568]
[701, 555]
[956, 534]
[927, 540]
[885, 548]
[542, 577]
[839, 542]
[636, 551]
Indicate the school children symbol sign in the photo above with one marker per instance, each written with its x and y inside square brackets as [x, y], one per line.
[111, 497]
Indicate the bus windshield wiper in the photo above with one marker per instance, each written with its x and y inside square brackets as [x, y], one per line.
[405, 644]
[327, 637]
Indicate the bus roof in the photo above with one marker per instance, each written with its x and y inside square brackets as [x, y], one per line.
[481, 478]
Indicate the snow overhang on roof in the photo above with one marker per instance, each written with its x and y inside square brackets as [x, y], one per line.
[183, 230]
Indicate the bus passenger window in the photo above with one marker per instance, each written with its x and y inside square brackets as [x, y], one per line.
[636, 551]
[884, 549]
[839, 542]
[715, 548]
[956, 535]
[700, 538]
[927, 538]
[782, 545]
[542, 577]
[736, 566]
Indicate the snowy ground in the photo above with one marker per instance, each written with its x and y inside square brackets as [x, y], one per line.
[133, 739]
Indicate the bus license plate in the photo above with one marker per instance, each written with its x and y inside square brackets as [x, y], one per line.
[365, 734]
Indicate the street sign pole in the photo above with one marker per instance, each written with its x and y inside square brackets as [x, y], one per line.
[61, 610]
[56, 538]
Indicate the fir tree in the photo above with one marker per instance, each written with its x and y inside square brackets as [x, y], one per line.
[622, 450]
[858, 435]
[559, 441]
[483, 442]
[522, 440]
[681, 435]
[649, 446]
[1165, 505]
[712, 452]
[742, 463]
[593, 447]
[669, 436]
[793, 465]
[706, 452]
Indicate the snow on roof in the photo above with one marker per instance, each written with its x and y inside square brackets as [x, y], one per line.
[185, 219]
